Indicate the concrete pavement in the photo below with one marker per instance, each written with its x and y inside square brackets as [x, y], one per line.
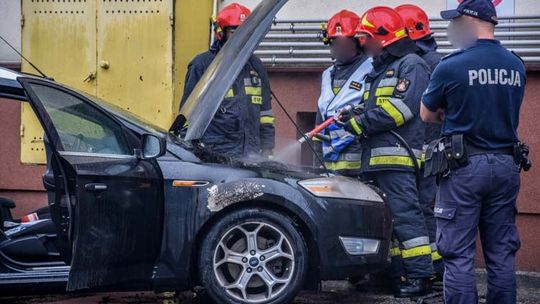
[333, 292]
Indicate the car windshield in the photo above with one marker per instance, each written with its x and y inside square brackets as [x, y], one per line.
[209, 155]
[124, 114]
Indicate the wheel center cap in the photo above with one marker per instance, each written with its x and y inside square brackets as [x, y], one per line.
[253, 262]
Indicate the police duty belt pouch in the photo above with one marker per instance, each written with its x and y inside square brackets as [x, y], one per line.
[456, 152]
[435, 160]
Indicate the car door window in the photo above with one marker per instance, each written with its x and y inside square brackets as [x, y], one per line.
[81, 127]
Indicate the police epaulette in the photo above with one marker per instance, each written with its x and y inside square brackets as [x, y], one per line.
[452, 54]
[518, 56]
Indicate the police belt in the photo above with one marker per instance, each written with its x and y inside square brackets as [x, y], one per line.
[519, 151]
[451, 152]
[473, 150]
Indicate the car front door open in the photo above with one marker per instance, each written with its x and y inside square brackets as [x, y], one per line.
[113, 198]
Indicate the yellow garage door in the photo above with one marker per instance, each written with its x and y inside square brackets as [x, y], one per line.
[135, 58]
[121, 51]
[65, 53]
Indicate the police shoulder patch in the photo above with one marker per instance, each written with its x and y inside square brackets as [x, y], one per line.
[403, 85]
[356, 86]
[390, 73]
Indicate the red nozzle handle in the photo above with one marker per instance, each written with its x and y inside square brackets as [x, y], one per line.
[320, 127]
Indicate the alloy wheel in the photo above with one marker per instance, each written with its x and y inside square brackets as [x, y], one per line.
[254, 262]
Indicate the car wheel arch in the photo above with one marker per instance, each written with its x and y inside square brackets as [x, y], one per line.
[301, 221]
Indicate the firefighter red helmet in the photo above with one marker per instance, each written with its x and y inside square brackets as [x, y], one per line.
[231, 15]
[343, 24]
[382, 24]
[415, 19]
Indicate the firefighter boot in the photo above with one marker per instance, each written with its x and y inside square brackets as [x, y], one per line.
[414, 288]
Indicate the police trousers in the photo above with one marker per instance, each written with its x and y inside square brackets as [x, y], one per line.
[428, 192]
[479, 196]
[409, 224]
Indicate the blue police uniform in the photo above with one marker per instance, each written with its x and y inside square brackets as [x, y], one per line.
[244, 123]
[428, 185]
[480, 89]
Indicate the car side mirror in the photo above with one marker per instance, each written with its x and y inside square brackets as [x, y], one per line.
[152, 146]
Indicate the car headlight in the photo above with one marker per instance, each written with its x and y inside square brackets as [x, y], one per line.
[340, 187]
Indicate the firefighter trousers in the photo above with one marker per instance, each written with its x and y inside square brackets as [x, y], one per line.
[409, 223]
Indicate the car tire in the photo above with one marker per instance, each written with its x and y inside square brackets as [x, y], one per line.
[271, 270]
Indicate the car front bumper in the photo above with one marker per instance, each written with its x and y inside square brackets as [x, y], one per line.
[351, 220]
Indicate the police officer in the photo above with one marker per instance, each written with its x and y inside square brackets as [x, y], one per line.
[393, 90]
[342, 85]
[477, 93]
[417, 24]
[244, 123]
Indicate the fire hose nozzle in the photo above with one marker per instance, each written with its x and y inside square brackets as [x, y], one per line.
[317, 130]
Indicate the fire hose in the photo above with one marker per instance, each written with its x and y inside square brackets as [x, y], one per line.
[401, 140]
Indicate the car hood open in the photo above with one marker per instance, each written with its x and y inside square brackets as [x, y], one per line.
[203, 103]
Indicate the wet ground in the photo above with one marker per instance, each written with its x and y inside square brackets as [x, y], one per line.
[333, 292]
[147, 298]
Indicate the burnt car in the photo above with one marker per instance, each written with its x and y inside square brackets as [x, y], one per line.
[135, 207]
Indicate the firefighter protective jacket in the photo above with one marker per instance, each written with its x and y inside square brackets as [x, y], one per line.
[244, 123]
[392, 102]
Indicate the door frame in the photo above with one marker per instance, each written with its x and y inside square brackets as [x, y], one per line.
[58, 153]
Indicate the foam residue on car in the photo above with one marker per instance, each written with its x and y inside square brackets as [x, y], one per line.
[221, 196]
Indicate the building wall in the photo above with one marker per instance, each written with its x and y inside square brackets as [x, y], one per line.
[10, 21]
[19, 182]
[10, 12]
[527, 7]
[309, 9]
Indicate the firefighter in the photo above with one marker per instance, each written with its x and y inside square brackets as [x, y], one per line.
[393, 90]
[477, 92]
[417, 24]
[342, 85]
[244, 123]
